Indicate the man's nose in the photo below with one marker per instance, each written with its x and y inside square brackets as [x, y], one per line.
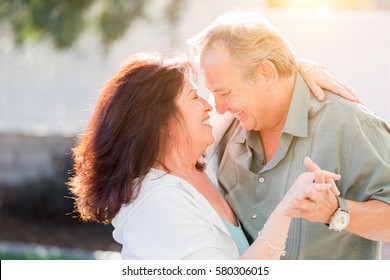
[220, 105]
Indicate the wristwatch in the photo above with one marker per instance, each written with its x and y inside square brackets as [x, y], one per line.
[340, 219]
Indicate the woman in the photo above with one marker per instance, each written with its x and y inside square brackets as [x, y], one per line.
[137, 166]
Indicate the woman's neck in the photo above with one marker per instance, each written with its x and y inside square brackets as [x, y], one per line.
[180, 163]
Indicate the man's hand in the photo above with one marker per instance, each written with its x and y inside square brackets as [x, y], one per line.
[318, 203]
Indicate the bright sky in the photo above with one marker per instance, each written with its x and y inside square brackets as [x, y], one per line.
[315, 4]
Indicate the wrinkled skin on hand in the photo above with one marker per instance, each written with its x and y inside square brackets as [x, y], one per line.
[313, 194]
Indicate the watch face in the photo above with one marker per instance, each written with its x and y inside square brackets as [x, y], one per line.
[340, 221]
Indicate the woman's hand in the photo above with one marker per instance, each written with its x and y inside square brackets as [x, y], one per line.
[317, 78]
[323, 176]
[313, 195]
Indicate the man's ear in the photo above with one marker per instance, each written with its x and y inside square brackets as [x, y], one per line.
[268, 70]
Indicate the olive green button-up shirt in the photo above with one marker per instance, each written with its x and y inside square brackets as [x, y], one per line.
[340, 136]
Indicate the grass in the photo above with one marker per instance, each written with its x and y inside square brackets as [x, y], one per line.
[36, 257]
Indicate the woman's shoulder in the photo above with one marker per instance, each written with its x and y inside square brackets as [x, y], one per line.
[159, 192]
[170, 206]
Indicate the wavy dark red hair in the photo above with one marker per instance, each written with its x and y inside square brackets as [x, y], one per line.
[123, 138]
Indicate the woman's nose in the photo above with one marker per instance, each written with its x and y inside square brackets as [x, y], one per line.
[206, 105]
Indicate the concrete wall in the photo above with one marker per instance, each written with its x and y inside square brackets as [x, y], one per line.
[25, 157]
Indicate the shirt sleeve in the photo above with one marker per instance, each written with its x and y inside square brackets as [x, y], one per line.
[170, 225]
[367, 162]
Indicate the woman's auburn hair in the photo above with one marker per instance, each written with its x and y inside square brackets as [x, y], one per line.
[123, 138]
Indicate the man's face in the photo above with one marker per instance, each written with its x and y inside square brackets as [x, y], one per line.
[246, 101]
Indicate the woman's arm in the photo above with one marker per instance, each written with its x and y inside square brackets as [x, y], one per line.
[317, 78]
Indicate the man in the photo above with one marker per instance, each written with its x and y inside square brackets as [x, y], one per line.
[251, 71]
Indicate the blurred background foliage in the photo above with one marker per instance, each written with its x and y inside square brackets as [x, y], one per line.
[64, 21]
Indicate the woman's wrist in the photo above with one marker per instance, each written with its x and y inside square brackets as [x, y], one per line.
[276, 244]
[279, 220]
[284, 205]
[305, 65]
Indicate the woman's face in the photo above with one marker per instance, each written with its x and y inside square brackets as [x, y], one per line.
[194, 111]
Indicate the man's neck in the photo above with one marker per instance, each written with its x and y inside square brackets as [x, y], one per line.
[270, 136]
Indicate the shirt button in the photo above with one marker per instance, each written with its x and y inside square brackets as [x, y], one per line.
[261, 180]
[262, 162]
[254, 216]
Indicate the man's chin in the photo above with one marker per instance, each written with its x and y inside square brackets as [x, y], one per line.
[246, 126]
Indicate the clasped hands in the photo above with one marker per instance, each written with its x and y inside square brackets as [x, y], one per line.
[313, 194]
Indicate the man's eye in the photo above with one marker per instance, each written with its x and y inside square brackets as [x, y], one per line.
[225, 93]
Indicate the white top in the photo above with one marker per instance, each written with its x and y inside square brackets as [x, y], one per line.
[170, 219]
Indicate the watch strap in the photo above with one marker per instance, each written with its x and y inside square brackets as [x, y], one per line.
[342, 204]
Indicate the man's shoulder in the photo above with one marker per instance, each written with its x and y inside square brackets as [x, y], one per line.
[340, 109]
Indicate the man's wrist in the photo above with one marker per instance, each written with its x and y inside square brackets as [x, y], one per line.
[334, 209]
[340, 218]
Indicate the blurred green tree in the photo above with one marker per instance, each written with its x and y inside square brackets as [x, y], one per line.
[64, 21]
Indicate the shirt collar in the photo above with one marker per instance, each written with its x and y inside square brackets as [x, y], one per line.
[297, 118]
[242, 135]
